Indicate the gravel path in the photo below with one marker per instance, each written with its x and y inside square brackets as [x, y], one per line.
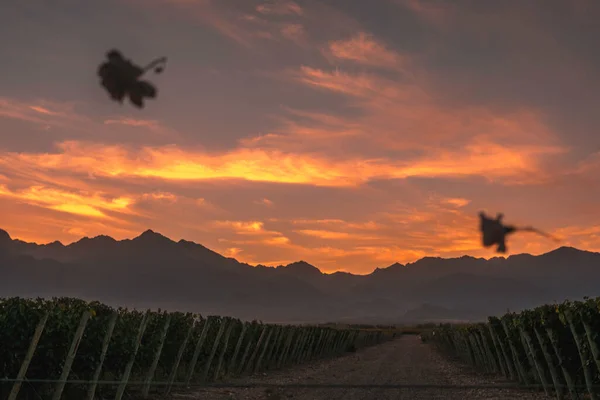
[402, 361]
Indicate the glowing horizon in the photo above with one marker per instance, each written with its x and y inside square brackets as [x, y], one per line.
[275, 264]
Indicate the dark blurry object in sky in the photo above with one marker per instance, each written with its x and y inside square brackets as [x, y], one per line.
[121, 78]
[494, 232]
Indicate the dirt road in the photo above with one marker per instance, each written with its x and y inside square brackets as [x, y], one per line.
[403, 361]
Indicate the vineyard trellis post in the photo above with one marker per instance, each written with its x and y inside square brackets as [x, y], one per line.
[129, 366]
[490, 354]
[273, 346]
[317, 345]
[224, 349]
[558, 387]
[238, 346]
[264, 349]
[253, 331]
[58, 390]
[583, 356]
[105, 343]
[298, 345]
[199, 345]
[536, 360]
[285, 342]
[477, 357]
[509, 362]
[182, 347]
[280, 347]
[566, 374]
[589, 332]
[515, 355]
[499, 351]
[312, 337]
[286, 350]
[532, 366]
[533, 370]
[37, 334]
[215, 347]
[152, 370]
[325, 350]
[261, 338]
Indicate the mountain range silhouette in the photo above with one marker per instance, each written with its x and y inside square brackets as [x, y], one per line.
[152, 271]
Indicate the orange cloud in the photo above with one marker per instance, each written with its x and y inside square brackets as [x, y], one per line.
[340, 224]
[172, 163]
[363, 85]
[457, 202]
[324, 234]
[133, 122]
[232, 252]
[333, 235]
[400, 115]
[242, 227]
[41, 112]
[86, 204]
[362, 48]
[265, 202]
[170, 197]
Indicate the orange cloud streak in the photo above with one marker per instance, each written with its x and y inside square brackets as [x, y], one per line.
[172, 163]
[364, 49]
[86, 204]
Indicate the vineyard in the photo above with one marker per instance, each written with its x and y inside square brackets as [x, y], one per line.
[554, 347]
[68, 348]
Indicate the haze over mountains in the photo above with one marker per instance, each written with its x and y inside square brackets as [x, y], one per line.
[153, 271]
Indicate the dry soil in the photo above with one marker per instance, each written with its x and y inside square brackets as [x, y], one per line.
[402, 361]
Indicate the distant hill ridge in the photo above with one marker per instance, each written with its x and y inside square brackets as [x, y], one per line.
[153, 270]
[150, 237]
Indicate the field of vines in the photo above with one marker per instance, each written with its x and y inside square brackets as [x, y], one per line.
[68, 348]
[553, 347]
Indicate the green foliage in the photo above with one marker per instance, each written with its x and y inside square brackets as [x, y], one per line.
[562, 339]
[19, 318]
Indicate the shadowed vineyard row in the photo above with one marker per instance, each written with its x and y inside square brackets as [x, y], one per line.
[112, 353]
[554, 347]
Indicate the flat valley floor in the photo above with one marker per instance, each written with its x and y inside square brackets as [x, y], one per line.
[403, 361]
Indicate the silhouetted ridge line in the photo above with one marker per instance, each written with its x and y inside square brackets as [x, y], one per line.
[152, 237]
[152, 270]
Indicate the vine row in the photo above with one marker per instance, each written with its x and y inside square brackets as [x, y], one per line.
[555, 347]
[45, 344]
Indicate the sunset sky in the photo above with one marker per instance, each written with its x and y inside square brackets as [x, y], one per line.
[351, 134]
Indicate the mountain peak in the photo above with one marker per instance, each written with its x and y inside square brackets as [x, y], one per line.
[149, 234]
[4, 236]
[569, 249]
[302, 267]
[566, 251]
[87, 242]
[5, 239]
[394, 267]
